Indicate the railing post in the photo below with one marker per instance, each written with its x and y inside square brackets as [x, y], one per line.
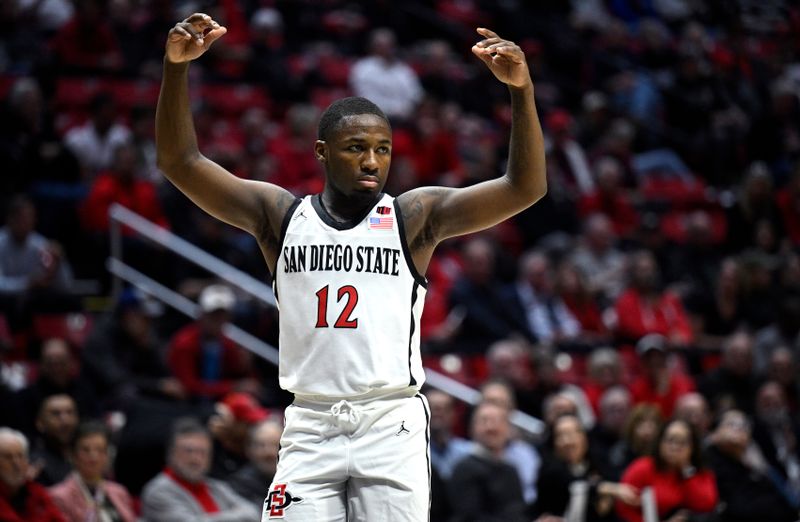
[115, 240]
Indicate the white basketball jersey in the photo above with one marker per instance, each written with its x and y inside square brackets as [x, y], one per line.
[350, 300]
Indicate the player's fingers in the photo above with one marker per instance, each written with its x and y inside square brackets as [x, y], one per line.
[215, 33]
[197, 17]
[195, 34]
[488, 41]
[509, 53]
[488, 33]
[178, 33]
[482, 54]
[500, 45]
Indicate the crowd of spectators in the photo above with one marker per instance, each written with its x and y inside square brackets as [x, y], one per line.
[647, 309]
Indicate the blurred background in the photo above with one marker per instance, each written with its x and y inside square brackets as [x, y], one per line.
[661, 270]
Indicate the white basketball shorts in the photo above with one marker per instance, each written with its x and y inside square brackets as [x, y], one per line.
[358, 461]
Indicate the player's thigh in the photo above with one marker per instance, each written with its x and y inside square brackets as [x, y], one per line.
[309, 483]
[391, 479]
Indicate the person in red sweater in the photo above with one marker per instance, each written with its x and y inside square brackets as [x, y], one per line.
[660, 384]
[21, 499]
[610, 198]
[643, 308]
[120, 184]
[680, 483]
[208, 364]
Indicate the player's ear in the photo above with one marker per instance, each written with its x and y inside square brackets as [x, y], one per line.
[321, 151]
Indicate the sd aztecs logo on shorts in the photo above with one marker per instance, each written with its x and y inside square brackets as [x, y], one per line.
[279, 500]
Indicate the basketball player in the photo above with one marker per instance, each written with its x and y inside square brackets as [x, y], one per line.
[348, 267]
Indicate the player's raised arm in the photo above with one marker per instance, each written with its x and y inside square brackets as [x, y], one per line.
[434, 214]
[253, 206]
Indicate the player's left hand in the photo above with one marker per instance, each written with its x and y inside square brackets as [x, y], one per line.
[504, 58]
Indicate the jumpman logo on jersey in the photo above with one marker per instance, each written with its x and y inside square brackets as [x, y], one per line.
[301, 214]
[402, 429]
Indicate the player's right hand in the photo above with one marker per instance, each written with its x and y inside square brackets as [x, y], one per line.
[192, 37]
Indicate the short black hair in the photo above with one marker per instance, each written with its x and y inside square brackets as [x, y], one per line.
[88, 429]
[339, 109]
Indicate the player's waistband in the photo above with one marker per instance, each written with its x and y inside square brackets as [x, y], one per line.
[324, 402]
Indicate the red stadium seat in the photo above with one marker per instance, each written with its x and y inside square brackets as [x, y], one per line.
[75, 328]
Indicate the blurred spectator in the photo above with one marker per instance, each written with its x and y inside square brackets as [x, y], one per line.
[254, 477]
[208, 364]
[784, 331]
[777, 434]
[58, 375]
[644, 308]
[183, 490]
[717, 313]
[603, 371]
[34, 274]
[87, 43]
[488, 315]
[755, 204]
[511, 360]
[788, 199]
[681, 483]
[21, 500]
[733, 384]
[517, 452]
[55, 424]
[609, 198]
[746, 491]
[124, 358]
[235, 415]
[549, 319]
[570, 174]
[269, 54]
[660, 383]
[783, 369]
[296, 169]
[693, 408]
[595, 119]
[446, 448]
[760, 299]
[570, 485]
[695, 263]
[572, 288]
[385, 79]
[30, 146]
[483, 486]
[121, 184]
[607, 436]
[95, 141]
[600, 262]
[85, 494]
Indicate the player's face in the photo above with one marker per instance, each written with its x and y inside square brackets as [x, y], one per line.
[357, 155]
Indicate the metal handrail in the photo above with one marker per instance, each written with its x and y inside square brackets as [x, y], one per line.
[120, 215]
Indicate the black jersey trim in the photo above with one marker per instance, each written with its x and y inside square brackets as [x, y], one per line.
[427, 450]
[401, 227]
[284, 227]
[322, 212]
[411, 380]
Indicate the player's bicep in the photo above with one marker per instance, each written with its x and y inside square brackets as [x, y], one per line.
[460, 211]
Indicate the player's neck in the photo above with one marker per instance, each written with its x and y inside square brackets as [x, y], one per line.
[343, 207]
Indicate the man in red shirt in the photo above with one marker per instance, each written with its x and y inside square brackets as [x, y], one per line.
[659, 384]
[21, 499]
[208, 364]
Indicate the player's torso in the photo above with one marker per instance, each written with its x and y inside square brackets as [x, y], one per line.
[350, 302]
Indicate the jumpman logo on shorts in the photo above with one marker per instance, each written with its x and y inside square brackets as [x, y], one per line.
[402, 429]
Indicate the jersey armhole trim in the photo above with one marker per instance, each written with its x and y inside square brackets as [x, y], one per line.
[401, 228]
[284, 226]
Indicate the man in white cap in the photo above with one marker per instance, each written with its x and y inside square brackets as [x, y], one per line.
[208, 364]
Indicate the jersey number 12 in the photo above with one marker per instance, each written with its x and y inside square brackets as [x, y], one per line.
[344, 320]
